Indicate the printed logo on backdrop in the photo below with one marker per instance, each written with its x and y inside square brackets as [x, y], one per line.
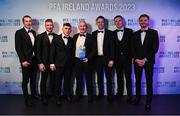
[177, 69]
[162, 38]
[159, 69]
[91, 6]
[132, 22]
[73, 21]
[171, 84]
[170, 22]
[178, 38]
[169, 54]
[9, 54]
[5, 69]
[9, 22]
[3, 38]
[10, 87]
[38, 22]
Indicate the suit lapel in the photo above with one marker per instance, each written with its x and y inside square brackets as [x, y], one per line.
[27, 36]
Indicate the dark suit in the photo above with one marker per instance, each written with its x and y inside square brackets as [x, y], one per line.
[61, 56]
[146, 50]
[102, 62]
[42, 54]
[25, 49]
[123, 60]
[81, 67]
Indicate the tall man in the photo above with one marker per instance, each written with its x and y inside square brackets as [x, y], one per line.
[24, 45]
[145, 46]
[43, 43]
[123, 56]
[83, 42]
[104, 56]
[61, 62]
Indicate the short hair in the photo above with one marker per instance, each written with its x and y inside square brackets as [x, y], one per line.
[67, 24]
[82, 21]
[49, 20]
[118, 16]
[26, 16]
[144, 15]
[100, 17]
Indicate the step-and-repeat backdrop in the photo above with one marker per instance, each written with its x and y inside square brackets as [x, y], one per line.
[164, 16]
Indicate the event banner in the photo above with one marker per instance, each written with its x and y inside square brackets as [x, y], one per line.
[164, 17]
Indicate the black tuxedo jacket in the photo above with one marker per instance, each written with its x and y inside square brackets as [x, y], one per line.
[90, 47]
[43, 48]
[123, 47]
[149, 47]
[61, 54]
[23, 45]
[108, 45]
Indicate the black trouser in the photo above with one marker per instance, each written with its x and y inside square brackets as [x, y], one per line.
[80, 69]
[149, 80]
[29, 73]
[44, 77]
[63, 72]
[100, 67]
[124, 68]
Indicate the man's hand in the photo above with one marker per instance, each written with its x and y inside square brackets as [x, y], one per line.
[110, 64]
[52, 67]
[41, 67]
[25, 64]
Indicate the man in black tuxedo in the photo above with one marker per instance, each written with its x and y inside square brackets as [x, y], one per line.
[61, 62]
[104, 56]
[145, 46]
[83, 53]
[43, 43]
[123, 56]
[24, 45]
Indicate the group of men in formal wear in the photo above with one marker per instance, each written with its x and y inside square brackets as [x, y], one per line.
[85, 54]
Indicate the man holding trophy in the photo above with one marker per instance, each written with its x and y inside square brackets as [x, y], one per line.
[83, 53]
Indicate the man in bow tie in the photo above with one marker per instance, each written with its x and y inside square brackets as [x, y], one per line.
[123, 56]
[104, 57]
[24, 45]
[83, 64]
[145, 46]
[61, 62]
[43, 45]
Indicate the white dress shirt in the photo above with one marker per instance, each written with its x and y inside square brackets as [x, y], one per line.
[100, 41]
[64, 39]
[143, 34]
[50, 36]
[120, 33]
[80, 42]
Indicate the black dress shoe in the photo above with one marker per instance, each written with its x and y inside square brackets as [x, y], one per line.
[148, 107]
[68, 99]
[90, 100]
[129, 100]
[59, 102]
[36, 97]
[136, 101]
[28, 103]
[45, 101]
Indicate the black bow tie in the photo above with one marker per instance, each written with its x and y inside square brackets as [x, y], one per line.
[65, 37]
[100, 31]
[144, 30]
[50, 33]
[120, 30]
[82, 35]
[30, 31]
